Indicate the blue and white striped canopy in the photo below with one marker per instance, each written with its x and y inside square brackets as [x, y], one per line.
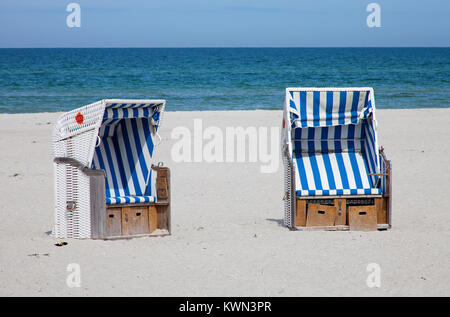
[332, 135]
[321, 107]
[125, 151]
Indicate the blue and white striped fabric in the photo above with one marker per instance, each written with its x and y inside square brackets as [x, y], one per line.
[125, 152]
[334, 148]
[130, 199]
[328, 108]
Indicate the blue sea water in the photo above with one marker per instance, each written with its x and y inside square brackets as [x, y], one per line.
[38, 80]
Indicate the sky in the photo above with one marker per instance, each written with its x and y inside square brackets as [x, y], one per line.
[224, 23]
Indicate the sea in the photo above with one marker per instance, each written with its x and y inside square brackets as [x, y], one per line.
[191, 79]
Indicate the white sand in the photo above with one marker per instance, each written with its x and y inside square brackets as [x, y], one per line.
[227, 239]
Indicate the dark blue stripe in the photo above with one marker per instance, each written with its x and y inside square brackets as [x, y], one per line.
[121, 171]
[313, 160]
[139, 152]
[106, 131]
[316, 108]
[342, 102]
[364, 155]
[301, 170]
[355, 169]
[131, 162]
[352, 155]
[337, 137]
[292, 105]
[339, 159]
[111, 168]
[326, 160]
[303, 117]
[351, 137]
[329, 108]
[148, 135]
[148, 189]
[115, 113]
[367, 103]
[354, 112]
[102, 166]
[370, 144]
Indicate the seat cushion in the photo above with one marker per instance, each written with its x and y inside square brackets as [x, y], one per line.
[130, 199]
[336, 173]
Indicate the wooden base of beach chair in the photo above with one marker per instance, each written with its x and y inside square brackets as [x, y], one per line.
[358, 213]
[139, 219]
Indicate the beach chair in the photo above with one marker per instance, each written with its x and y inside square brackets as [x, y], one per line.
[106, 185]
[336, 176]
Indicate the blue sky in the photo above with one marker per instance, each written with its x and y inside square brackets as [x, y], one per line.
[224, 23]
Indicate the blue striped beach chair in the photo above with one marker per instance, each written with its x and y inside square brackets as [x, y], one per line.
[106, 184]
[336, 175]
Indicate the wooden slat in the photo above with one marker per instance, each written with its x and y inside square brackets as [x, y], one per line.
[163, 216]
[380, 207]
[340, 205]
[97, 203]
[300, 218]
[152, 218]
[113, 222]
[362, 218]
[134, 220]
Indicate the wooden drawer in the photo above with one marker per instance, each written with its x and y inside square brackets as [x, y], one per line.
[113, 222]
[320, 215]
[362, 218]
[135, 220]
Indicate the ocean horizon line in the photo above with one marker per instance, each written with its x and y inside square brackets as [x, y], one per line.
[219, 47]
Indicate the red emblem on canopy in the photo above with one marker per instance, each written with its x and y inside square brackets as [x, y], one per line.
[79, 118]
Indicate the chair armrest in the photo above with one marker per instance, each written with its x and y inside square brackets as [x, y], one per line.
[75, 163]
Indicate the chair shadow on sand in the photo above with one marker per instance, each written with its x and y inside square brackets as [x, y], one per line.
[280, 222]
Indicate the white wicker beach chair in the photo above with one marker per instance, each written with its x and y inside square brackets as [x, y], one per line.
[105, 183]
[336, 176]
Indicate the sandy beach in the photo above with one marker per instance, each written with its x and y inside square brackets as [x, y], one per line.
[227, 238]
